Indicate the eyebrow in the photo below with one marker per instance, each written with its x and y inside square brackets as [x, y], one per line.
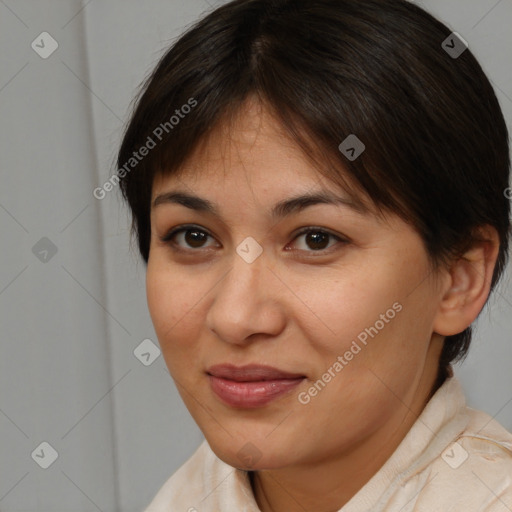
[281, 209]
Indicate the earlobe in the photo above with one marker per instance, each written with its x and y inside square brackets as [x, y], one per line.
[468, 284]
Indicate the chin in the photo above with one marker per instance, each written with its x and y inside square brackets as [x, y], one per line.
[249, 456]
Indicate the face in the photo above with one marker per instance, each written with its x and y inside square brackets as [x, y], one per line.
[337, 302]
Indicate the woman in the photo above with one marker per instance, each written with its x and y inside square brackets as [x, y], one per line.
[318, 189]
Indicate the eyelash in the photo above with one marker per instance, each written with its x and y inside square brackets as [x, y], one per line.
[172, 233]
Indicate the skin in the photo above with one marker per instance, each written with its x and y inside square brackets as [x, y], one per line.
[298, 308]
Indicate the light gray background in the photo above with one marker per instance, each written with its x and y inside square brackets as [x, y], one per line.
[69, 326]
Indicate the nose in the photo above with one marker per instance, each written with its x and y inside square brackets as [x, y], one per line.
[247, 303]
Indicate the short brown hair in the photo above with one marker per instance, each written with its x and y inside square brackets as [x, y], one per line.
[437, 150]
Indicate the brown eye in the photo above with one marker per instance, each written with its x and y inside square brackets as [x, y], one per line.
[195, 237]
[316, 240]
[192, 236]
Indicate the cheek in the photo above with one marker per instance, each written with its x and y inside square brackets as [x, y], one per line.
[342, 305]
[174, 308]
[372, 307]
[172, 300]
[160, 299]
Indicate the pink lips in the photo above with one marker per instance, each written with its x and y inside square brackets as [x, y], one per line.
[252, 385]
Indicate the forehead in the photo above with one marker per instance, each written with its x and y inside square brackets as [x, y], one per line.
[251, 140]
[251, 149]
[248, 144]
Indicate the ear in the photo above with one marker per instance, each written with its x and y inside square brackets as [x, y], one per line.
[468, 284]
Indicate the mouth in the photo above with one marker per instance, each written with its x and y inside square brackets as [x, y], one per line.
[251, 386]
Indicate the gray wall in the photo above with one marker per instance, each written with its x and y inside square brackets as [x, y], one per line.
[72, 292]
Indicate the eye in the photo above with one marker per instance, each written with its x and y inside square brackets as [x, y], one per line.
[316, 239]
[192, 235]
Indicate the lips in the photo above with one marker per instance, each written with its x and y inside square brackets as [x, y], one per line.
[252, 385]
[250, 373]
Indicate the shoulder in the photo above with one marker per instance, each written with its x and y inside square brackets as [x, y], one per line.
[183, 487]
[474, 472]
[204, 483]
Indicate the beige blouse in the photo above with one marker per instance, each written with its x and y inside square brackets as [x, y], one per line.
[453, 458]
